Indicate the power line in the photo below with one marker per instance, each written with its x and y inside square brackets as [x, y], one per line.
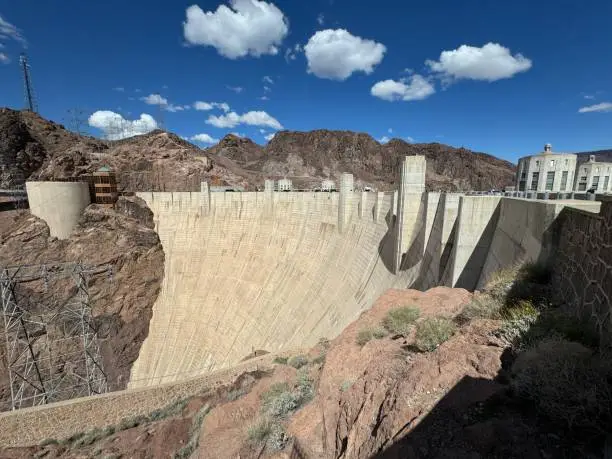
[29, 96]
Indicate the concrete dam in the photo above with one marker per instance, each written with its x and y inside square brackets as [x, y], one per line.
[280, 270]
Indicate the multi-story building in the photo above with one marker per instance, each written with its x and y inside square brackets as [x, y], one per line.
[593, 175]
[546, 171]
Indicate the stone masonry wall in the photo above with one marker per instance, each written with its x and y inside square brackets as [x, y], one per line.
[582, 268]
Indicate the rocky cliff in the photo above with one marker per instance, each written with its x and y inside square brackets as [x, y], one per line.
[308, 157]
[122, 303]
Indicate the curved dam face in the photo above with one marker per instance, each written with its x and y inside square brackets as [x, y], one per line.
[262, 270]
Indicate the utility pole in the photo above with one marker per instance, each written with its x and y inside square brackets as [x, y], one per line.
[27, 84]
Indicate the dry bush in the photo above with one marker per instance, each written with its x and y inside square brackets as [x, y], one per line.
[432, 332]
[567, 383]
[482, 307]
[399, 321]
[298, 361]
[369, 333]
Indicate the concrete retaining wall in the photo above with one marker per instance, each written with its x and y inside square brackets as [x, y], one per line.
[59, 204]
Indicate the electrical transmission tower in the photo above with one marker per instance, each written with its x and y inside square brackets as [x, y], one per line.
[52, 349]
[30, 99]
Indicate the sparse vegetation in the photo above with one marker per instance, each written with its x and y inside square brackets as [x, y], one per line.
[367, 334]
[432, 332]
[194, 434]
[298, 361]
[482, 307]
[259, 431]
[399, 321]
[567, 383]
[281, 360]
[48, 441]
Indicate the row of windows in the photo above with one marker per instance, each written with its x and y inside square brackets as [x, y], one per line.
[550, 182]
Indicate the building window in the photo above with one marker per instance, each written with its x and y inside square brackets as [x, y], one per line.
[595, 182]
[523, 175]
[563, 181]
[534, 181]
[550, 180]
[537, 164]
[606, 181]
[566, 162]
[552, 163]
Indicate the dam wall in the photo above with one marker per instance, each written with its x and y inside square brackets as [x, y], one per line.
[274, 271]
[269, 271]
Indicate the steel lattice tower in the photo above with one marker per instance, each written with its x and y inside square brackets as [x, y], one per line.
[28, 89]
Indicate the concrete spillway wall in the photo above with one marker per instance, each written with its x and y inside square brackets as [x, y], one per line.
[280, 270]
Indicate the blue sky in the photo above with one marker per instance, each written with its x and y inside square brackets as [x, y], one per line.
[498, 77]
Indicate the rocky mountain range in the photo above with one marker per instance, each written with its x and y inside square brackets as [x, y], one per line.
[32, 147]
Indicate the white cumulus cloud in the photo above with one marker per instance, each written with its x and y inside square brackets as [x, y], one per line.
[320, 19]
[252, 118]
[269, 136]
[4, 58]
[154, 99]
[492, 62]
[415, 87]
[384, 139]
[236, 89]
[246, 27]
[206, 106]
[602, 107]
[268, 80]
[203, 138]
[115, 127]
[336, 54]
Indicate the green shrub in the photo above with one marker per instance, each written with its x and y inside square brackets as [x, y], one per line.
[259, 431]
[298, 361]
[367, 334]
[277, 438]
[305, 386]
[399, 321]
[482, 307]
[432, 332]
[281, 360]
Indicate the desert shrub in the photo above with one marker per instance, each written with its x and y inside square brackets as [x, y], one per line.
[298, 361]
[482, 307]
[305, 386]
[399, 321]
[517, 325]
[324, 343]
[283, 404]
[281, 360]
[130, 423]
[369, 333]
[501, 282]
[259, 431]
[277, 438]
[432, 332]
[567, 383]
